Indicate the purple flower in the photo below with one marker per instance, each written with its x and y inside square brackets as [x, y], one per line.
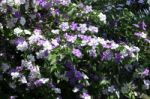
[77, 52]
[146, 72]
[107, 55]
[140, 34]
[85, 96]
[118, 57]
[73, 26]
[88, 9]
[141, 25]
[17, 41]
[69, 65]
[147, 40]
[78, 75]
[70, 38]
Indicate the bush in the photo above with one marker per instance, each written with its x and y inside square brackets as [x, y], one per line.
[73, 49]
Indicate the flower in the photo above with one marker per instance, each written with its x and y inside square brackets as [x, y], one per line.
[88, 9]
[141, 25]
[27, 32]
[22, 21]
[22, 46]
[82, 28]
[102, 17]
[111, 89]
[64, 26]
[15, 75]
[70, 38]
[85, 96]
[18, 31]
[76, 52]
[140, 34]
[93, 29]
[107, 55]
[73, 26]
[145, 72]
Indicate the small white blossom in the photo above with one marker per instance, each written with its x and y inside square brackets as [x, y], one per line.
[27, 32]
[15, 75]
[18, 31]
[102, 17]
[22, 46]
[22, 21]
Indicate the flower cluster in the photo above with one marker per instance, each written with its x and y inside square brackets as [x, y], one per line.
[56, 48]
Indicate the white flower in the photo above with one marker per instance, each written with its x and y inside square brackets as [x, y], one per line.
[18, 31]
[55, 31]
[27, 32]
[31, 57]
[15, 75]
[22, 21]
[47, 45]
[82, 28]
[102, 17]
[44, 80]
[75, 89]
[22, 46]
[23, 80]
[26, 63]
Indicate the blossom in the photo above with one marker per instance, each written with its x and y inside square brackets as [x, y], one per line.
[88, 9]
[93, 29]
[15, 75]
[18, 31]
[41, 81]
[145, 72]
[82, 28]
[140, 34]
[85, 96]
[141, 25]
[64, 26]
[55, 31]
[22, 46]
[27, 32]
[76, 52]
[107, 55]
[31, 58]
[102, 17]
[73, 26]
[70, 38]
[22, 21]
[111, 89]
[23, 80]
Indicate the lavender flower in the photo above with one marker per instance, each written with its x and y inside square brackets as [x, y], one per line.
[141, 25]
[70, 38]
[85, 96]
[22, 46]
[88, 9]
[82, 28]
[93, 29]
[107, 55]
[140, 34]
[64, 26]
[145, 72]
[77, 53]
[73, 26]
